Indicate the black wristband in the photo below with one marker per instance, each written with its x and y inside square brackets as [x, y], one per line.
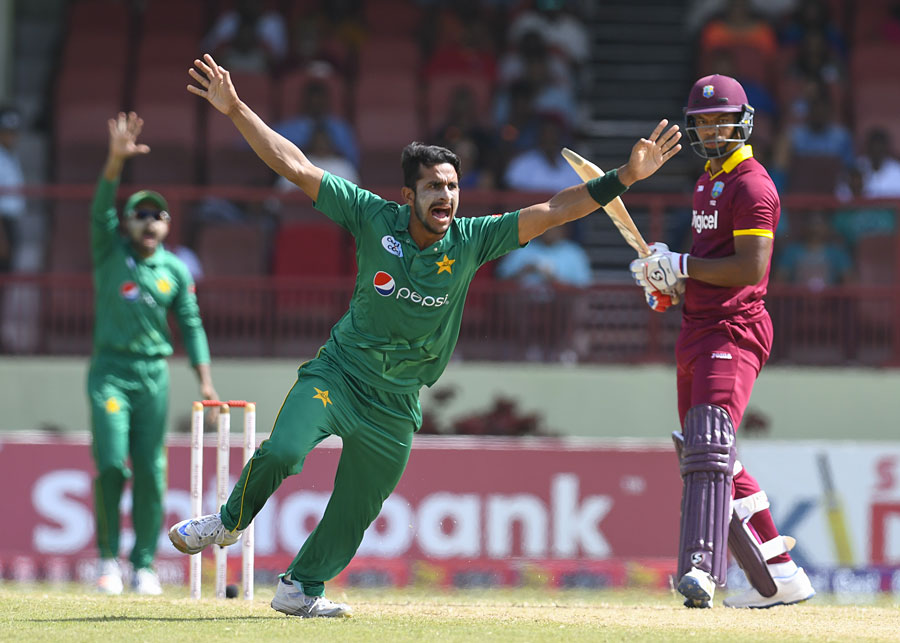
[606, 188]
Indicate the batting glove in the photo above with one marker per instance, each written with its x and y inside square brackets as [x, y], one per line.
[660, 302]
[661, 271]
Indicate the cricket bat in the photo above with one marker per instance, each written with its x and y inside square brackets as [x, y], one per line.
[834, 510]
[615, 209]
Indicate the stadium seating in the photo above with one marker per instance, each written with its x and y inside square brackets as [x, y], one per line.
[173, 52]
[392, 18]
[386, 111]
[70, 238]
[316, 257]
[68, 312]
[877, 256]
[174, 17]
[313, 248]
[237, 165]
[440, 89]
[170, 129]
[388, 55]
[232, 249]
[380, 168]
[868, 21]
[814, 174]
[874, 61]
[97, 17]
[228, 158]
[290, 92]
[233, 316]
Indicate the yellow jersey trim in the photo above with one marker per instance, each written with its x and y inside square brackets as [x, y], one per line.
[754, 232]
[741, 154]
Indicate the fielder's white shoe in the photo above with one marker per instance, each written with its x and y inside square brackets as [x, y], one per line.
[146, 582]
[109, 578]
[290, 599]
[193, 535]
[697, 587]
[791, 589]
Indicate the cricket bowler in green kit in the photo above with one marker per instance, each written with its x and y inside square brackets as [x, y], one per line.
[415, 261]
[136, 283]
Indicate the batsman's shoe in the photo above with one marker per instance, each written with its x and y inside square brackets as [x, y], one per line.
[795, 588]
[109, 577]
[146, 582]
[697, 587]
[193, 535]
[289, 599]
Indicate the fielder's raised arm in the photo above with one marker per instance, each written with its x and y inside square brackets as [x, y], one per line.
[647, 156]
[277, 152]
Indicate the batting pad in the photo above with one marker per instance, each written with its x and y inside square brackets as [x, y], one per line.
[707, 462]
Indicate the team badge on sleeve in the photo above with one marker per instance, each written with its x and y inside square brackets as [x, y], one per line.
[392, 245]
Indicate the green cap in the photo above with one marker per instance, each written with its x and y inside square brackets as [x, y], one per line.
[145, 195]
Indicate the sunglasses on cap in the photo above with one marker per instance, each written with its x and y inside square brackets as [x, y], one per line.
[144, 214]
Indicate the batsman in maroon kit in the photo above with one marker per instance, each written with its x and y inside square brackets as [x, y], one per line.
[726, 336]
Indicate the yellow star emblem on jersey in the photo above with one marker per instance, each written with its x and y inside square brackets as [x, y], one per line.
[112, 405]
[445, 265]
[163, 285]
[322, 395]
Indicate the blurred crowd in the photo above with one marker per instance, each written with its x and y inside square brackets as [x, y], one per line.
[502, 83]
[501, 78]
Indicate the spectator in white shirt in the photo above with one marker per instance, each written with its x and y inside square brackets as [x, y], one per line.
[543, 169]
[880, 170]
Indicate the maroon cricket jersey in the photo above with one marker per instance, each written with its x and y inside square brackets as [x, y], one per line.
[741, 199]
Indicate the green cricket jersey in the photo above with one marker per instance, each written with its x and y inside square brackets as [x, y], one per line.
[406, 309]
[133, 295]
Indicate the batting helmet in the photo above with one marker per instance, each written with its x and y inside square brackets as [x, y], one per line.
[715, 94]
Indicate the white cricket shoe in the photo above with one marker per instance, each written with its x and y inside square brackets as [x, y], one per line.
[791, 589]
[697, 587]
[290, 599]
[146, 582]
[193, 535]
[109, 578]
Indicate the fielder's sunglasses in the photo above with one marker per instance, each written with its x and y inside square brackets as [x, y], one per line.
[144, 214]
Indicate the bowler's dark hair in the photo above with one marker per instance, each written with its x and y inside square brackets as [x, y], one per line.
[416, 154]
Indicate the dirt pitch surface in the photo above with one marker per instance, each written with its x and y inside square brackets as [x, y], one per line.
[75, 613]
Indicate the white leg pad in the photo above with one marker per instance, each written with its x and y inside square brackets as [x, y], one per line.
[775, 547]
[746, 507]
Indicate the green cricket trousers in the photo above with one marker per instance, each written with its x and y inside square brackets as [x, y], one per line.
[376, 428]
[129, 398]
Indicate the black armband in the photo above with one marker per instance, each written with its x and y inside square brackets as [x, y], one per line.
[606, 188]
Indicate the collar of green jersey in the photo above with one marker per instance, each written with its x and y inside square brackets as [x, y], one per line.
[152, 260]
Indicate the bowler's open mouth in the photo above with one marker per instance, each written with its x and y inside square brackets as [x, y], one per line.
[441, 212]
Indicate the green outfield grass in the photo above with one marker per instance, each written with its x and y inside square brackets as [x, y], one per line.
[75, 613]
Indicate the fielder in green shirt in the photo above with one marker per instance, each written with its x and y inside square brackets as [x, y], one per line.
[136, 283]
[415, 262]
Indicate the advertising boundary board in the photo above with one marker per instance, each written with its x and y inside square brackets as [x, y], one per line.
[476, 512]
